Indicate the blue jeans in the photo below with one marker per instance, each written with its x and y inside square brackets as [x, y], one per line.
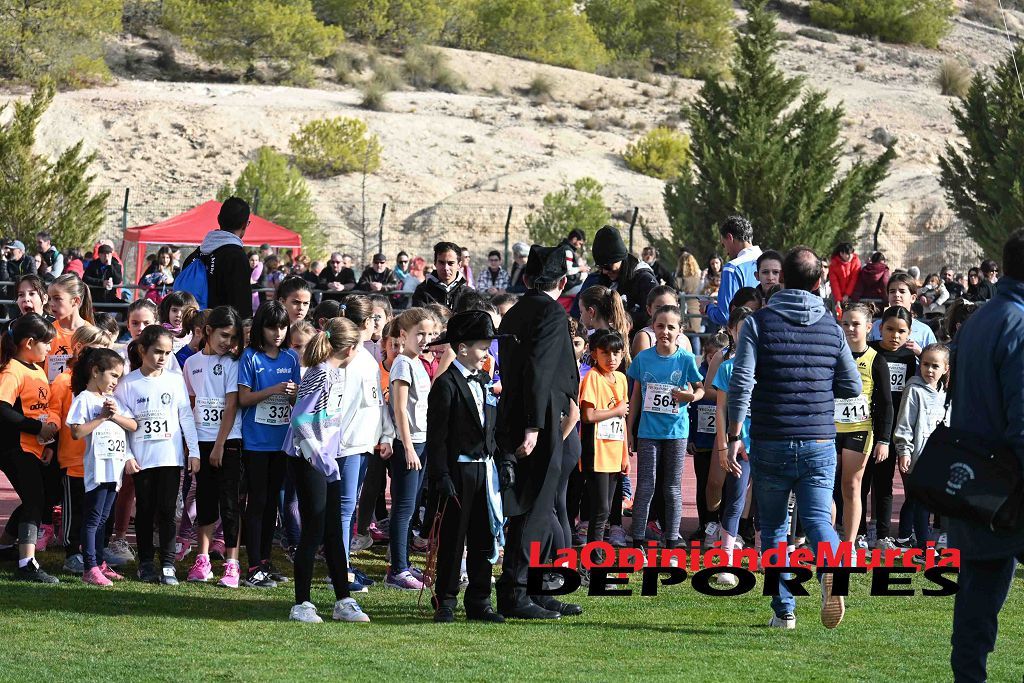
[984, 585]
[349, 467]
[98, 504]
[808, 469]
[734, 496]
[405, 488]
[914, 519]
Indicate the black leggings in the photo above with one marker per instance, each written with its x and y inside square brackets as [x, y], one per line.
[217, 489]
[877, 479]
[72, 513]
[571, 450]
[320, 513]
[602, 486]
[25, 472]
[156, 496]
[264, 476]
[701, 469]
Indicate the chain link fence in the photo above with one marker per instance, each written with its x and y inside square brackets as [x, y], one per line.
[928, 240]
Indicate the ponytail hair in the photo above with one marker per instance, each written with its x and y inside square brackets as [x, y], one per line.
[88, 336]
[608, 305]
[290, 285]
[147, 338]
[29, 326]
[140, 304]
[71, 284]
[865, 308]
[357, 308]
[339, 334]
[324, 311]
[607, 340]
[221, 317]
[668, 309]
[90, 358]
[736, 318]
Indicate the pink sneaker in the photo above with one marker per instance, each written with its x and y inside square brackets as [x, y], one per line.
[201, 571]
[110, 573]
[94, 577]
[182, 549]
[403, 581]
[45, 536]
[230, 578]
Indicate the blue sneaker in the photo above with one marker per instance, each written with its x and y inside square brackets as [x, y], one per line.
[361, 577]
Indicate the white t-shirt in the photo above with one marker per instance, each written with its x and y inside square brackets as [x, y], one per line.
[210, 379]
[415, 375]
[365, 418]
[106, 448]
[161, 407]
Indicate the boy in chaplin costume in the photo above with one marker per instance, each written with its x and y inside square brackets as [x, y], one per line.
[460, 441]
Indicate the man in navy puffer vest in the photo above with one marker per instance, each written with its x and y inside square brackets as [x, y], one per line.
[792, 362]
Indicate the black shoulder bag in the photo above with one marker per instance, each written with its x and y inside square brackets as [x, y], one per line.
[963, 475]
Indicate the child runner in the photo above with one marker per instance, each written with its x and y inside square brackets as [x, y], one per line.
[665, 380]
[160, 404]
[313, 440]
[462, 445]
[302, 332]
[702, 438]
[902, 291]
[70, 452]
[194, 321]
[923, 408]
[662, 295]
[172, 316]
[31, 296]
[604, 404]
[382, 315]
[71, 306]
[98, 418]
[737, 474]
[861, 420]
[295, 294]
[409, 387]
[211, 378]
[268, 380]
[24, 413]
[901, 360]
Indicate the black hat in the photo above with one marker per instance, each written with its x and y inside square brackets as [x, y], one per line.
[546, 264]
[608, 247]
[468, 326]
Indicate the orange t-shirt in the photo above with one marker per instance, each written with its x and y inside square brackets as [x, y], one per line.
[608, 437]
[24, 387]
[60, 352]
[70, 453]
[385, 382]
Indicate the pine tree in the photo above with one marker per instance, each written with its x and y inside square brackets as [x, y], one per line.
[39, 194]
[982, 178]
[692, 37]
[397, 23]
[284, 197]
[765, 148]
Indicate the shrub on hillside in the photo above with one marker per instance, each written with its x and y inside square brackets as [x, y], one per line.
[374, 97]
[579, 205]
[953, 78]
[427, 68]
[895, 21]
[396, 23]
[662, 153]
[330, 147]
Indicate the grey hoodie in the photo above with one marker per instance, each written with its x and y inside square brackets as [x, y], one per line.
[228, 271]
[920, 412]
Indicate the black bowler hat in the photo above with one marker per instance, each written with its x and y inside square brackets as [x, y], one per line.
[468, 326]
[546, 264]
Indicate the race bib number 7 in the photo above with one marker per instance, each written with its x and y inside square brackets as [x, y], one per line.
[658, 399]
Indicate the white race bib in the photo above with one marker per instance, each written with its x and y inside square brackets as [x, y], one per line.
[371, 395]
[109, 442]
[707, 418]
[275, 410]
[612, 429]
[421, 414]
[658, 399]
[58, 363]
[897, 377]
[334, 397]
[154, 425]
[209, 412]
[852, 410]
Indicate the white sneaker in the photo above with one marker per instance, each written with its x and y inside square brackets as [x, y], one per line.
[861, 543]
[887, 543]
[737, 543]
[833, 607]
[712, 534]
[943, 542]
[617, 537]
[347, 609]
[360, 542]
[306, 613]
[726, 579]
[118, 553]
[787, 622]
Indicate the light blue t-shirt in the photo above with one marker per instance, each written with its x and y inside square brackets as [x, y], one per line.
[677, 370]
[721, 383]
[258, 371]
[919, 332]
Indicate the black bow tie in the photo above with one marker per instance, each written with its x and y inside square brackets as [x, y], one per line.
[482, 377]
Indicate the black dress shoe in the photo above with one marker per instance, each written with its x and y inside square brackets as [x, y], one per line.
[444, 615]
[488, 615]
[530, 611]
[566, 609]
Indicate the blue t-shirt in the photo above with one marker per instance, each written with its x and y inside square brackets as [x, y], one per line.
[677, 370]
[258, 371]
[722, 384]
[183, 354]
[702, 433]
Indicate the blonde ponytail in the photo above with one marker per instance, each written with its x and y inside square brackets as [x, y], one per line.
[338, 334]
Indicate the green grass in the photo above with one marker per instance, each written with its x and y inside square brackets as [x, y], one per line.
[200, 632]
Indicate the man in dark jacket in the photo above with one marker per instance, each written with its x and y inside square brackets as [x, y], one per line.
[619, 270]
[988, 400]
[103, 275]
[336, 277]
[14, 263]
[540, 385]
[227, 266]
[573, 244]
[792, 362]
[378, 277]
[444, 285]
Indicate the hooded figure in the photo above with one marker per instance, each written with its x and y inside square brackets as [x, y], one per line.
[227, 266]
[619, 270]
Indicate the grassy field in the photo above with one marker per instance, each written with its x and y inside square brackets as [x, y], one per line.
[201, 632]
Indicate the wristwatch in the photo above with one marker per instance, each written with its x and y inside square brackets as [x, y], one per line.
[734, 437]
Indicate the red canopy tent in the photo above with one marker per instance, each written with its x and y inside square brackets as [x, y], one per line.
[189, 229]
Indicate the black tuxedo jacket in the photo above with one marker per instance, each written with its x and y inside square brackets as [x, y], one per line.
[453, 424]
